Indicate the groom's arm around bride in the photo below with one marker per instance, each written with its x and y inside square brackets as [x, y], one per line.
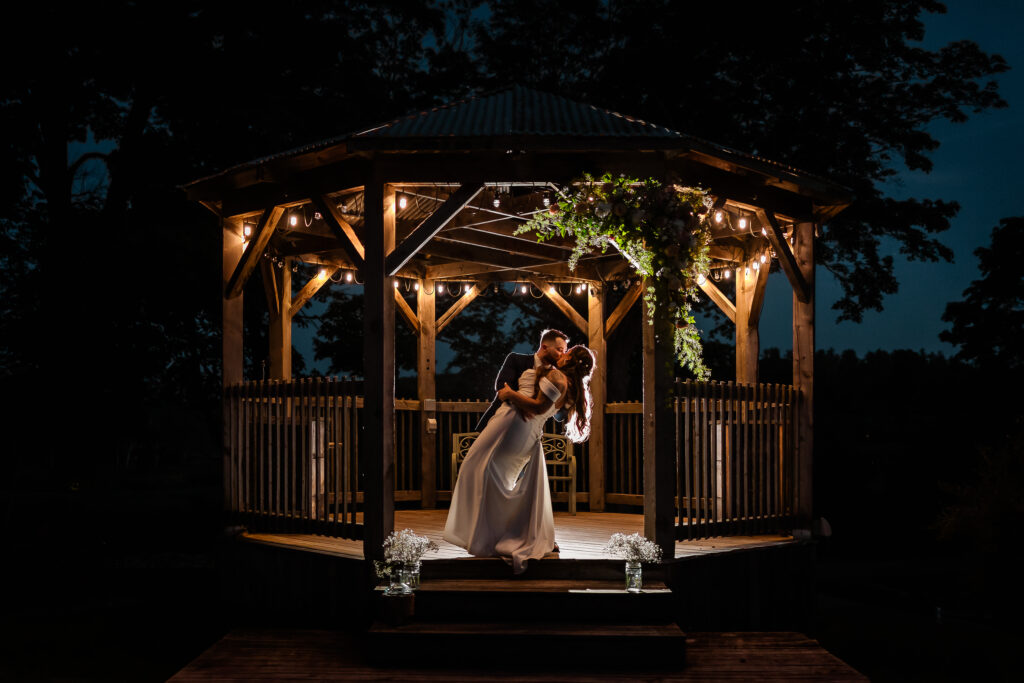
[515, 364]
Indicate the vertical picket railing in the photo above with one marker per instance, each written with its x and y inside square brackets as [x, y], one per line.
[735, 458]
[624, 453]
[293, 462]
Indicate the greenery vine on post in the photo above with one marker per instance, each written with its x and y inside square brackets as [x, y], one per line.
[662, 230]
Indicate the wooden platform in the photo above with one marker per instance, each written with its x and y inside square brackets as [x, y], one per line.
[579, 537]
[253, 654]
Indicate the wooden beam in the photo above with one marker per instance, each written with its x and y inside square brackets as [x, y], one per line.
[346, 234]
[459, 269]
[310, 289]
[281, 326]
[507, 244]
[459, 305]
[564, 306]
[426, 391]
[231, 308]
[254, 250]
[719, 297]
[659, 447]
[785, 255]
[803, 376]
[440, 246]
[431, 226]
[599, 390]
[407, 313]
[757, 297]
[622, 309]
[270, 288]
[748, 343]
[377, 437]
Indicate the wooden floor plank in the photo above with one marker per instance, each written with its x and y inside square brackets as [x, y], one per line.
[579, 537]
[255, 654]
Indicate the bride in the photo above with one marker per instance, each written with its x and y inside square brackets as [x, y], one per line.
[498, 507]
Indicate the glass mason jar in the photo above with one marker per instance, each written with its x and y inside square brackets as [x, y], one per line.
[634, 577]
[399, 581]
[411, 575]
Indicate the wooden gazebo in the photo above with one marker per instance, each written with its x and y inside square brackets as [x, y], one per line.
[435, 198]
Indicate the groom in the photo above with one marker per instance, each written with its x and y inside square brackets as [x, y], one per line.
[553, 343]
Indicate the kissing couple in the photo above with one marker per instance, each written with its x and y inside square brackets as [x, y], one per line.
[501, 504]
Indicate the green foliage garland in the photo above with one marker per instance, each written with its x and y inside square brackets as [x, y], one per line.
[662, 230]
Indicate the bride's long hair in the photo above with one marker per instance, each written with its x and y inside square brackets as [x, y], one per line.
[578, 369]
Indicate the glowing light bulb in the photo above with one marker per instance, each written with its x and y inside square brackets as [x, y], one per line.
[396, 284]
[701, 279]
[440, 288]
[728, 274]
[293, 220]
[348, 276]
[497, 202]
[764, 258]
[322, 273]
[546, 201]
[551, 289]
[416, 286]
[579, 288]
[523, 289]
[746, 271]
[584, 287]
[764, 231]
[403, 201]
[465, 287]
[719, 217]
[757, 265]
[743, 224]
[317, 216]
[247, 230]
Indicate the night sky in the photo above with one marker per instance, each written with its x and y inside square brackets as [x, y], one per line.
[976, 165]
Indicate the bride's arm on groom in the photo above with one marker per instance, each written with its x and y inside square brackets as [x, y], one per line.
[534, 405]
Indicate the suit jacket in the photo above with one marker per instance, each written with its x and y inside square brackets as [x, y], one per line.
[515, 364]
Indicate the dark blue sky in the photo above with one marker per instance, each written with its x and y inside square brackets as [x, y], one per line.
[977, 165]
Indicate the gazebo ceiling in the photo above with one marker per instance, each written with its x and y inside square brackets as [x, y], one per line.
[516, 142]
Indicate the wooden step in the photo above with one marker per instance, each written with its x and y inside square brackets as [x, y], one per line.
[548, 568]
[535, 646]
[555, 600]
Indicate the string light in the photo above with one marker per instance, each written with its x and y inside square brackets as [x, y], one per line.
[416, 286]
[718, 216]
[440, 288]
[348, 276]
[317, 216]
[246, 230]
[579, 288]
[764, 231]
[497, 202]
[524, 289]
[551, 289]
[743, 224]
[764, 257]
[546, 200]
[757, 265]
[403, 201]
[322, 273]
[701, 279]
[396, 283]
[728, 273]
[293, 220]
[465, 287]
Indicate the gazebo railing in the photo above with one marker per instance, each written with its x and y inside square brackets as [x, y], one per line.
[734, 458]
[293, 455]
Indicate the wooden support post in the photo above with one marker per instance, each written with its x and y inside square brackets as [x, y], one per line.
[281, 325]
[599, 389]
[803, 375]
[747, 340]
[377, 466]
[659, 430]
[231, 345]
[425, 388]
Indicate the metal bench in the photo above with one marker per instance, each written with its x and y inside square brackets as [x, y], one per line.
[558, 456]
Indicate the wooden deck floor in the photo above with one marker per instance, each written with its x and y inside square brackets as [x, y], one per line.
[249, 655]
[579, 537]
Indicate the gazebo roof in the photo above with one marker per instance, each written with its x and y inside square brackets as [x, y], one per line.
[520, 119]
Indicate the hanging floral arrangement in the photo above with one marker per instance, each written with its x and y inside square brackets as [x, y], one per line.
[662, 230]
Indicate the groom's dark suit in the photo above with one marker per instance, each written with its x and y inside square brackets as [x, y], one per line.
[515, 364]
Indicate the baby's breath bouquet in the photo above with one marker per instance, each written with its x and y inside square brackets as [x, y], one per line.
[406, 547]
[633, 548]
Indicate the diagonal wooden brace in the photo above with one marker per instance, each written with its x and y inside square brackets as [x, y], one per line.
[785, 254]
[433, 224]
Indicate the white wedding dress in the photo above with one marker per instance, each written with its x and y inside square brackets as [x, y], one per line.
[494, 511]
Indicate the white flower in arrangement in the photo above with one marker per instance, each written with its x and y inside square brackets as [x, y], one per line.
[633, 548]
[405, 546]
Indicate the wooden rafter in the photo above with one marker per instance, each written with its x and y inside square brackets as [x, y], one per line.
[253, 253]
[785, 254]
[510, 245]
[309, 289]
[431, 226]
[720, 299]
[757, 298]
[481, 255]
[621, 310]
[346, 234]
[564, 306]
[459, 305]
[459, 269]
[407, 313]
[270, 288]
